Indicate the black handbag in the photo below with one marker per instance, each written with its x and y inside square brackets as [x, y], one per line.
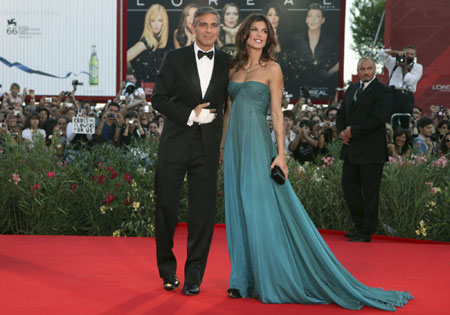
[277, 174]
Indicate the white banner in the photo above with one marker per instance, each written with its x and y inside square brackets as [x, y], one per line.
[45, 44]
[84, 125]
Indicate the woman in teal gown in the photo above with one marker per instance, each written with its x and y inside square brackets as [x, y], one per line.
[277, 255]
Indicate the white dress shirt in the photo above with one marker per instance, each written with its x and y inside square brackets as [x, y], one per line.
[409, 81]
[205, 68]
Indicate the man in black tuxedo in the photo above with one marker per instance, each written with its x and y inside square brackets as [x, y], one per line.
[361, 127]
[190, 90]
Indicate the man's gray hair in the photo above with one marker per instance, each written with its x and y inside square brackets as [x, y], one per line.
[367, 58]
[205, 10]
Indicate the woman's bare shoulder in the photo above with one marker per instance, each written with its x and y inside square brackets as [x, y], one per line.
[272, 65]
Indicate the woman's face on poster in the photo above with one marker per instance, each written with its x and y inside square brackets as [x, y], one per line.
[190, 17]
[273, 17]
[314, 19]
[231, 17]
[156, 24]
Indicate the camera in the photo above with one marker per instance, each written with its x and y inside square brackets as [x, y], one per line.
[129, 87]
[152, 133]
[76, 82]
[111, 116]
[14, 134]
[441, 113]
[16, 113]
[122, 97]
[66, 93]
[146, 109]
[69, 105]
[48, 99]
[404, 60]
[131, 121]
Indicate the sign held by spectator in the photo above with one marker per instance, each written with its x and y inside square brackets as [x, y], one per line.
[84, 125]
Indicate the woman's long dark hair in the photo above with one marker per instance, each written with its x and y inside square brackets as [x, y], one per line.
[181, 36]
[32, 115]
[284, 23]
[241, 57]
[398, 133]
[443, 147]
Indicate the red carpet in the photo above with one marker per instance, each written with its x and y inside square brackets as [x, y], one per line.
[105, 275]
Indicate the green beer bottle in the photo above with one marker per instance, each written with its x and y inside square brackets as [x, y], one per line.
[93, 67]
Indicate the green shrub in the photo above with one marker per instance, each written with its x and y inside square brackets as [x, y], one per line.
[109, 191]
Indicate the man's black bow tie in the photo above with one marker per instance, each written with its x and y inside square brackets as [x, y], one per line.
[209, 54]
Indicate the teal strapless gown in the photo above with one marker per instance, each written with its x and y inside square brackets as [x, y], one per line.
[277, 255]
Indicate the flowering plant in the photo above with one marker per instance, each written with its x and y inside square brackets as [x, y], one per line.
[110, 191]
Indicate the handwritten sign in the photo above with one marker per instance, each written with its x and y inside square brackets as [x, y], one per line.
[84, 125]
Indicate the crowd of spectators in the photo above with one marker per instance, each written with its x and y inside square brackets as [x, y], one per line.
[25, 119]
[309, 128]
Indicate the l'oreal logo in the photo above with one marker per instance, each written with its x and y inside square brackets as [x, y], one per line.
[441, 87]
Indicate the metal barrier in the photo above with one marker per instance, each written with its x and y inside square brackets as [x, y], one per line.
[398, 117]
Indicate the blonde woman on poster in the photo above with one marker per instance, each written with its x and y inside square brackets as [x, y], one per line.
[146, 56]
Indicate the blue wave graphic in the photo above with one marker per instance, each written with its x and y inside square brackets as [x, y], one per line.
[29, 70]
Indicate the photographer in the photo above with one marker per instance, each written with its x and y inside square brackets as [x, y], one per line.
[404, 73]
[109, 124]
[131, 130]
[304, 147]
[152, 132]
[10, 127]
[129, 89]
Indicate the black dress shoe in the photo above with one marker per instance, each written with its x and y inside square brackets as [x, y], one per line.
[171, 283]
[234, 293]
[352, 233]
[361, 238]
[191, 289]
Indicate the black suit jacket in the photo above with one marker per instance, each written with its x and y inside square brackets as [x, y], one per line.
[366, 117]
[177, 92]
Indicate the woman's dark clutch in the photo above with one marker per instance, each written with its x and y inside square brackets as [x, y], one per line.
[277, 174]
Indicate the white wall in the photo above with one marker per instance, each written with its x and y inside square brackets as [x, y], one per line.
[55, 36]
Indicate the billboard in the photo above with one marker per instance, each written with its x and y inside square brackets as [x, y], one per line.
[47, 44]
[308, 50]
